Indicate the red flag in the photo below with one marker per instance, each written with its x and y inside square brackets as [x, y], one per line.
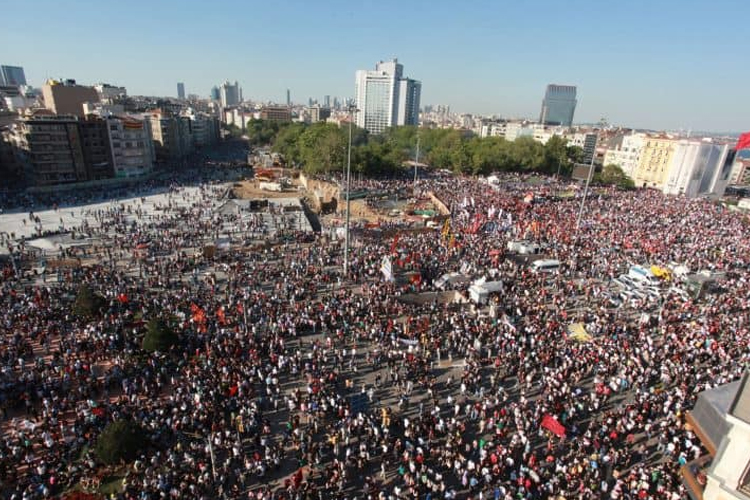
[220, 315]
[395, 242]
[551, 424]
[744, 141]
[239, 308]
[122, 298]
[199, 315]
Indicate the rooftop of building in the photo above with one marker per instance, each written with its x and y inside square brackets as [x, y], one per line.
[709, 416]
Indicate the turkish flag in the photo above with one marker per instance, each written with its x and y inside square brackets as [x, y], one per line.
[744, 141]
[122, 298]
[551, 424]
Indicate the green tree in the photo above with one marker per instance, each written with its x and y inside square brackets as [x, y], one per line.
[262, 132]
[369, 159]
[121, 441]
[233, 129]
[323, 147]
[445, 149]
[490, 155]
[527, 154]
[88, 304]
[159, 336]
[556, 156]
[286, 142]
[613, 175]
[575, 154]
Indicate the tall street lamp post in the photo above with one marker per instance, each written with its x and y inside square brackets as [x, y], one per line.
[352, 110]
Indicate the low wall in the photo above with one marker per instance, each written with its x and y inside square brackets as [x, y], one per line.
[439, 204]
[115, 182]
[428, 297]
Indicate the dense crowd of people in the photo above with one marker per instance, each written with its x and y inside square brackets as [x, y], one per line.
[292, 380]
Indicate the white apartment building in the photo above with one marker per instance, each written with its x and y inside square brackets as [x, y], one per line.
[698, 168]
[385, 99]
[131, 144]
[626, 153]
[513, 130]
[109, 93]
[720, 420]
[542, 133]
[205, 127]
[239, 117]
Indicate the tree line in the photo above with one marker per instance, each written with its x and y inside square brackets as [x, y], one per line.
[322, 147]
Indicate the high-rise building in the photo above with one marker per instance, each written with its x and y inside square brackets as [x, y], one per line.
[180, 90]
[559, 105]
[215, 94]
[408, 102]
[327, 101]
[288, 97]
[379, 97]
[67, 98]
[230, 95]
[12, 76]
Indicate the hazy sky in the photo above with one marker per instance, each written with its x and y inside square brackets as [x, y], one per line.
[643, 63]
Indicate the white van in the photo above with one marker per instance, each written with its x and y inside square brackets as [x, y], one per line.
[524, 247]
[545, 266]
[644, 276]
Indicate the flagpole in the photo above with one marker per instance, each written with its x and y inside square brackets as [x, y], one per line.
[211, 451]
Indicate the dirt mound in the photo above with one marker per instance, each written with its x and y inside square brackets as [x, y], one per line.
[250, 190]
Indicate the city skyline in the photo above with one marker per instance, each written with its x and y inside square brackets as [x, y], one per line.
[632, 64]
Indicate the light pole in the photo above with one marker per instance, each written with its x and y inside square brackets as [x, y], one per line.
[586, 189]
[583, 202]
[416, 161]
[352, 110]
